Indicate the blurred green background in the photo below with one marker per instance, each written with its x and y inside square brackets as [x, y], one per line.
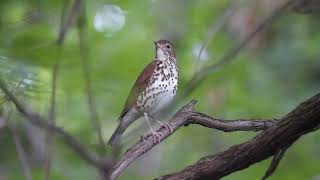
[278, 70]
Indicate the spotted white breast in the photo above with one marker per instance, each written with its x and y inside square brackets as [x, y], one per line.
[161, 89]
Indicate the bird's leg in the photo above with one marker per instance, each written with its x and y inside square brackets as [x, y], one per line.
[166, 125]
[154, 134]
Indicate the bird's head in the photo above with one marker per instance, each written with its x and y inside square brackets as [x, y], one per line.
[164, 50]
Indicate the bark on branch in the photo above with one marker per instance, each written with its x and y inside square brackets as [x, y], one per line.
[184, 117]
[307, 7]
[304, 119]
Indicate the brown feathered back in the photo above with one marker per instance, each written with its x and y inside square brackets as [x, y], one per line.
[138, 87]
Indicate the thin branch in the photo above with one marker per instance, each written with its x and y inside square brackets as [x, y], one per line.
[81, 24]
[229, 125]
[68, 139]
[65, 27]
[217, 25]
[300, 121]
[87, 77]
[184, 117]
[51, 118]
[52, 111]
[307, 7]
[231, 54]
[22, 157]
[275, 162]
[20, 152]
[3, 122]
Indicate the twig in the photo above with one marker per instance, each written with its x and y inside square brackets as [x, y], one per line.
[51, 118]
[68, 139]
[87, 78]
[26, 170]
[230, 55]
[20, 151]
[81, 22]
[307, 7]
[52, 111]
[65, 27]
[275, 162]
[217, 25]
[3, 122]
[230, 125]
[185, 116]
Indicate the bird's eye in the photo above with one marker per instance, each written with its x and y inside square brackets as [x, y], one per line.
[168, 46]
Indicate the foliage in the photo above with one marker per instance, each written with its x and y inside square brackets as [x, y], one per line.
[276, 72]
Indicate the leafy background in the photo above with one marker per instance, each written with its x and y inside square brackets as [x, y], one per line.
[277, 71]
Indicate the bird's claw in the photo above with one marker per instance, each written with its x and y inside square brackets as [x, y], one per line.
[155, 136]
[168, 126]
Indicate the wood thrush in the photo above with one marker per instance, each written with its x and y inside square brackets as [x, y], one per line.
[153, 90]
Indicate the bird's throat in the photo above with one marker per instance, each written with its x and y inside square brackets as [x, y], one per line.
[161, 55]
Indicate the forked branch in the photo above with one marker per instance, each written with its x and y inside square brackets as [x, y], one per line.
[184, 117]
[304, 119]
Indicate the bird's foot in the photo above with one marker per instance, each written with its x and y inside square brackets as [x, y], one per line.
[156, 136]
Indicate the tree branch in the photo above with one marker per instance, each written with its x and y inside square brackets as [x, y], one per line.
[218, 24]
[233, 52]
[307, 7]
[86, 68]
[21, 153]
[275, 162]
[302, 120]
[39, 121]
[229, 125]
[65, 26]
[3, 122]
[184, 117]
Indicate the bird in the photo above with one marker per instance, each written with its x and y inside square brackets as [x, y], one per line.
[154, 89]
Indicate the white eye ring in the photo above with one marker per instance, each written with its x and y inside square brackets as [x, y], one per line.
[168, 46]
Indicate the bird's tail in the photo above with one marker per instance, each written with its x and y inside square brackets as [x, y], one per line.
[116, 136]
[125, 119]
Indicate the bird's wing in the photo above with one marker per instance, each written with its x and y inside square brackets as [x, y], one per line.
[138, 87]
